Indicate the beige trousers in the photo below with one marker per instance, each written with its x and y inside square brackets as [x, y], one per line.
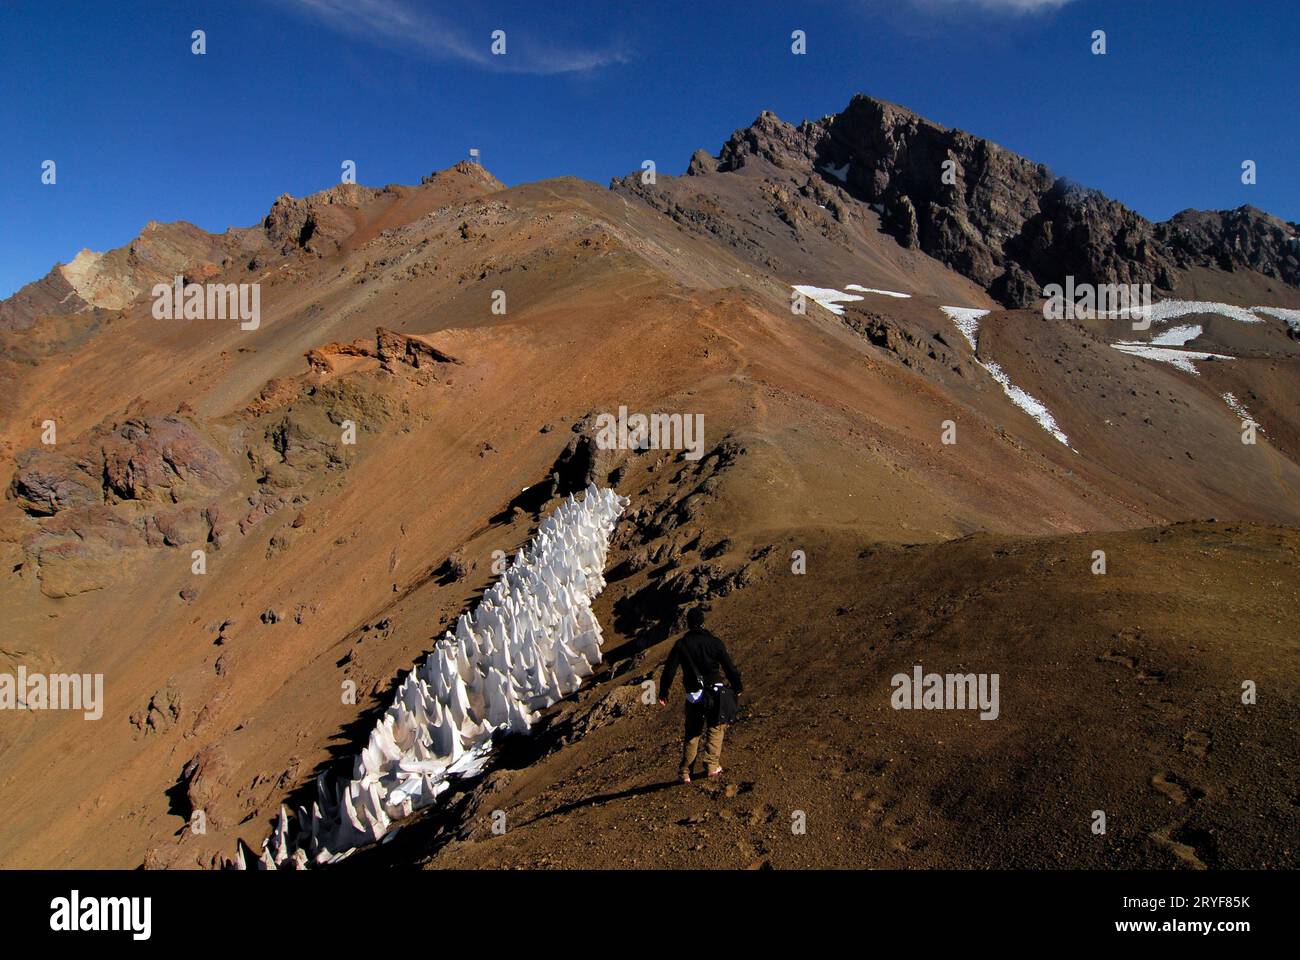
[696, 727]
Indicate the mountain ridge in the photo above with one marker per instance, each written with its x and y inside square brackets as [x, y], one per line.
[313, 223]
[1007, 222]
[1032, 231]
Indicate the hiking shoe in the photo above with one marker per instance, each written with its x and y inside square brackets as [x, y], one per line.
[716, 773]
[685, 778]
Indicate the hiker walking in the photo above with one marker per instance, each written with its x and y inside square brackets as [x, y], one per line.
[711, 682]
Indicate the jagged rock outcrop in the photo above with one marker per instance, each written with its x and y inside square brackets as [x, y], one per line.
[1007, 223]
[583, 461]
[1079, 232]
[204, 777]
[164, 458]
[1233, 239]
[153, 459]
[47, 481]
[162, 710]
[772, 139]
[318, 223]
[146, 482]
[394, 348]
[321, 359]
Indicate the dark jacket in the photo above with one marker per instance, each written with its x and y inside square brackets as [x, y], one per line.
[703, 659]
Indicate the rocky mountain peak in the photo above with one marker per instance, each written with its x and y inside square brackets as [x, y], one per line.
[1004, 221]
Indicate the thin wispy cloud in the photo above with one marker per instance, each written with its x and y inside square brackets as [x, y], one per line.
[1001, 6]
[401, 25]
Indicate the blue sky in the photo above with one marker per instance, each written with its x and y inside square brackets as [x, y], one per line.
[143, 129]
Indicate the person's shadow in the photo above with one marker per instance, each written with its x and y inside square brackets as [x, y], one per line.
[604, 798]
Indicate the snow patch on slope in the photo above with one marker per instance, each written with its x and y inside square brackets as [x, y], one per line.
[831, 299]
[1176, 336]
[884, 293]
[1239, 408]
[827, 297]
[1167, 310]
[1158, 347]
[1182, 359]
[967, 320]
[1032, 406]
[1290, 317]
[840, 173]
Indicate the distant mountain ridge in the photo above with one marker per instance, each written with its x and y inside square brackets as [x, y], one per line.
[1008, 223]
[318, 223]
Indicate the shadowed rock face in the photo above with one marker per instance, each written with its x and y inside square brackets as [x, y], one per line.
[1079, 232]
[1233, 239]
[964, 225]
[1007, 223]
[51, 294]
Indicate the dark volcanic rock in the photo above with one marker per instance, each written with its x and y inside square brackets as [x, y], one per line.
[1231, 239]
[1005, 222]
[583, 461]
